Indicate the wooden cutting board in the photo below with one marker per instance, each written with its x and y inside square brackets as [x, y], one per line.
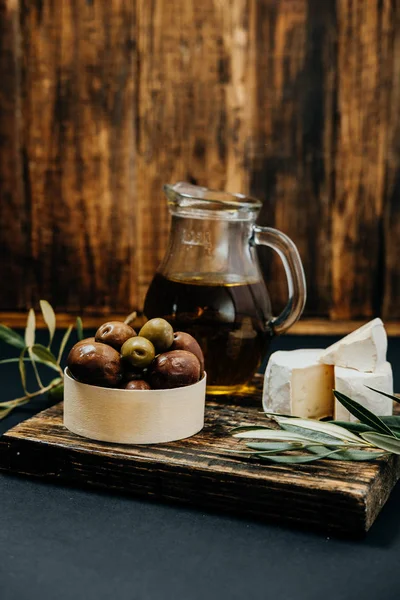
[328, 495]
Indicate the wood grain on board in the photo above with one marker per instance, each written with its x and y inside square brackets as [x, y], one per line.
[343, 497]
[296, 102]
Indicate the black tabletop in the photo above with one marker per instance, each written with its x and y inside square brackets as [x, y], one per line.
[66, 543]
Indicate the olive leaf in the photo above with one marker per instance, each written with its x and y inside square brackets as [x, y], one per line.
[22, 370]
[271, 415]
[386, 442]
[352, 426]
[248, 428]
[12, 360]
[290, 459]
[44, 354]
[64, 342]
[30, 329]
[279, 434]
[277, 446]
[323, 438]
[130, 318]
[322, 427]
[391, 420]
[349, 454]
[5, 411]
[26, 360]
[269, 434]
[11, 337]
[79, 328]
[49, 318]
[363, 414]
[38, 353]
[384, 394]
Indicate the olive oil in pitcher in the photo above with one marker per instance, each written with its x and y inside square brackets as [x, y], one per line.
[229, 319]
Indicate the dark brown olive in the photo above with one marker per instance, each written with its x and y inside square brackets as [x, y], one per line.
[114, 333]
[132, 373]
[96, 364]
[138, 384]
[185, 341]
[86, 341]
[174, 369]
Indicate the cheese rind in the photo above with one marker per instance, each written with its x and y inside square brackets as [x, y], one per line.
[352, 383]
[296, 383]
[363, 350]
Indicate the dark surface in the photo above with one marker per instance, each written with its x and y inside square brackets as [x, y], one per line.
[67, 543]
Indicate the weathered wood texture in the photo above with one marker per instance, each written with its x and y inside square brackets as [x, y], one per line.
[296, 102]
[329, 495]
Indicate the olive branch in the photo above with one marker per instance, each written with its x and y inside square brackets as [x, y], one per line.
[292, 440]
[35, 354]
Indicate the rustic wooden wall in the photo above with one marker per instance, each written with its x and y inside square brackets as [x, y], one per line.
[101, 101]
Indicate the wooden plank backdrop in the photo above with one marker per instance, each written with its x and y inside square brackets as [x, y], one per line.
[294, 101]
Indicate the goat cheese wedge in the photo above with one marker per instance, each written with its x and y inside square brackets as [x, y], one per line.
[363, 350]
[352, 383]
[297, 383]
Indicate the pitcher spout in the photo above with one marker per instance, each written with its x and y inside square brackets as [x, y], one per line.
[188, 195]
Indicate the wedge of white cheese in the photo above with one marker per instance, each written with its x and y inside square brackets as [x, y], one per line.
[364, 349]
[353, 384]
[296, 383]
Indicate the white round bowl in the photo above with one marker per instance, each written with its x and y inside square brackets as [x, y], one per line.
[133, 416]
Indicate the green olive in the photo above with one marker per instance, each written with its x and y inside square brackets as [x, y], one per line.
[159, 332]
[138, 351]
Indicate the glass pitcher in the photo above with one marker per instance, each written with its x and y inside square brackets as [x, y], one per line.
[210, 284]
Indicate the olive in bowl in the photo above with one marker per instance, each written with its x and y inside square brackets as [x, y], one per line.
[159, 332]
[96, 364]
[136, 384]
[174, 369]
[114, 333]
[185, 341]
[138, 352]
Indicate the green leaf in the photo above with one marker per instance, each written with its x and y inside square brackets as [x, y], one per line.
[272, 415]
[290, 459]
[57, 392]
[321, 438]
[277, 446]
[49, 318]
[9, 336]
[79, 328]
[352, 426]
[16, 360]
[130, 318]
[12, 360]
[275, 434]
[322, 427]
[22, 370]
[43, 354]
[64, 343]
[30, 329]
[380, 440]
[363, 414]
[248, 428]
[5, 411]
[384, 394]
[391, 420]
[350, 455]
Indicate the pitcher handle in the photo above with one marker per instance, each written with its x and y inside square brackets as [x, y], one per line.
[283, 245]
